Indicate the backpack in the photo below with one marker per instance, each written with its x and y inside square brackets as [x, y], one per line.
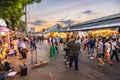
[118, 43]
[7, 66]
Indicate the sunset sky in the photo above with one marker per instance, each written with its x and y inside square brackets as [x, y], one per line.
[50, 12]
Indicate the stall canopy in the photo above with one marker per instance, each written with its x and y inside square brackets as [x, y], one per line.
[4, 29]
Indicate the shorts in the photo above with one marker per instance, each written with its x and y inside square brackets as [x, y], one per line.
[19, 50]
[99, 55]
[56, 43]
[23, 55]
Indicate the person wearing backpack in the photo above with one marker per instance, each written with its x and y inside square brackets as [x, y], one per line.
[74, 50]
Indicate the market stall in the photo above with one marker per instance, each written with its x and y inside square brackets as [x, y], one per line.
[4, 40]
[102, 32]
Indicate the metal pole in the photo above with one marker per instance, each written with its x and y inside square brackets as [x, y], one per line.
[26, 17]
[31, 56]
[36, 55]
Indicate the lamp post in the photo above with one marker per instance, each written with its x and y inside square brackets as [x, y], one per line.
[26, 18]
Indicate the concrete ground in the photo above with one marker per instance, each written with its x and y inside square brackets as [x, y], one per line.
[57, 69]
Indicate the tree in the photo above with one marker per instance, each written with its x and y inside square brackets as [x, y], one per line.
[22, 26]
[12, 10]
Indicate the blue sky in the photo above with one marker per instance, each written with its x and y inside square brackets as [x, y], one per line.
[50, 12]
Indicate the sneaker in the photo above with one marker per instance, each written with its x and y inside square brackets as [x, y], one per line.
[111, 63]
[68, 66]
[88, 55]
[91, 58]
[67, 62]
[10, 70]
[76, 71]
[64, 60]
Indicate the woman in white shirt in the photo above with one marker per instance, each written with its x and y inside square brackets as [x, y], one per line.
[108, 49]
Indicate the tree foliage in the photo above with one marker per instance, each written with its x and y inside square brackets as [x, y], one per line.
[12, 10]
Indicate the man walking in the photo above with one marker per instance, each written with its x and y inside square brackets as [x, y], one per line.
[74, 49]
[114, 49]
[91, 44]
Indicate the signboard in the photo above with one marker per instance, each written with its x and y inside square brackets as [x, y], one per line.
[32, 29]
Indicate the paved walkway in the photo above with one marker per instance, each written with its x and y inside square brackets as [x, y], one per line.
[57, 70]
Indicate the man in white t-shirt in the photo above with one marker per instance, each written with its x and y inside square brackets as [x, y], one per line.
[23, 45]
[23, 52]
[18, 42]
[114, 48]
[99, 46]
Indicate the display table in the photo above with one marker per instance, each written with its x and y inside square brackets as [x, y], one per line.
[11, 75]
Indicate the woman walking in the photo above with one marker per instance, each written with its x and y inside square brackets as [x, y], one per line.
[53, 51]
[108, 49]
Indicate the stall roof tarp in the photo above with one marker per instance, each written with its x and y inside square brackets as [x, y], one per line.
[54, 29]
[4, 29]
[97, 27]
[114, 16]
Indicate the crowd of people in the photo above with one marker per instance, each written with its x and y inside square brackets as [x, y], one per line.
[101, 48]
[105, 49]
[18, 47]
[13, 52]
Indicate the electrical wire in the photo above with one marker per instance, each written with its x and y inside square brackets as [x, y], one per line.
[66, 9]
[47, 5]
